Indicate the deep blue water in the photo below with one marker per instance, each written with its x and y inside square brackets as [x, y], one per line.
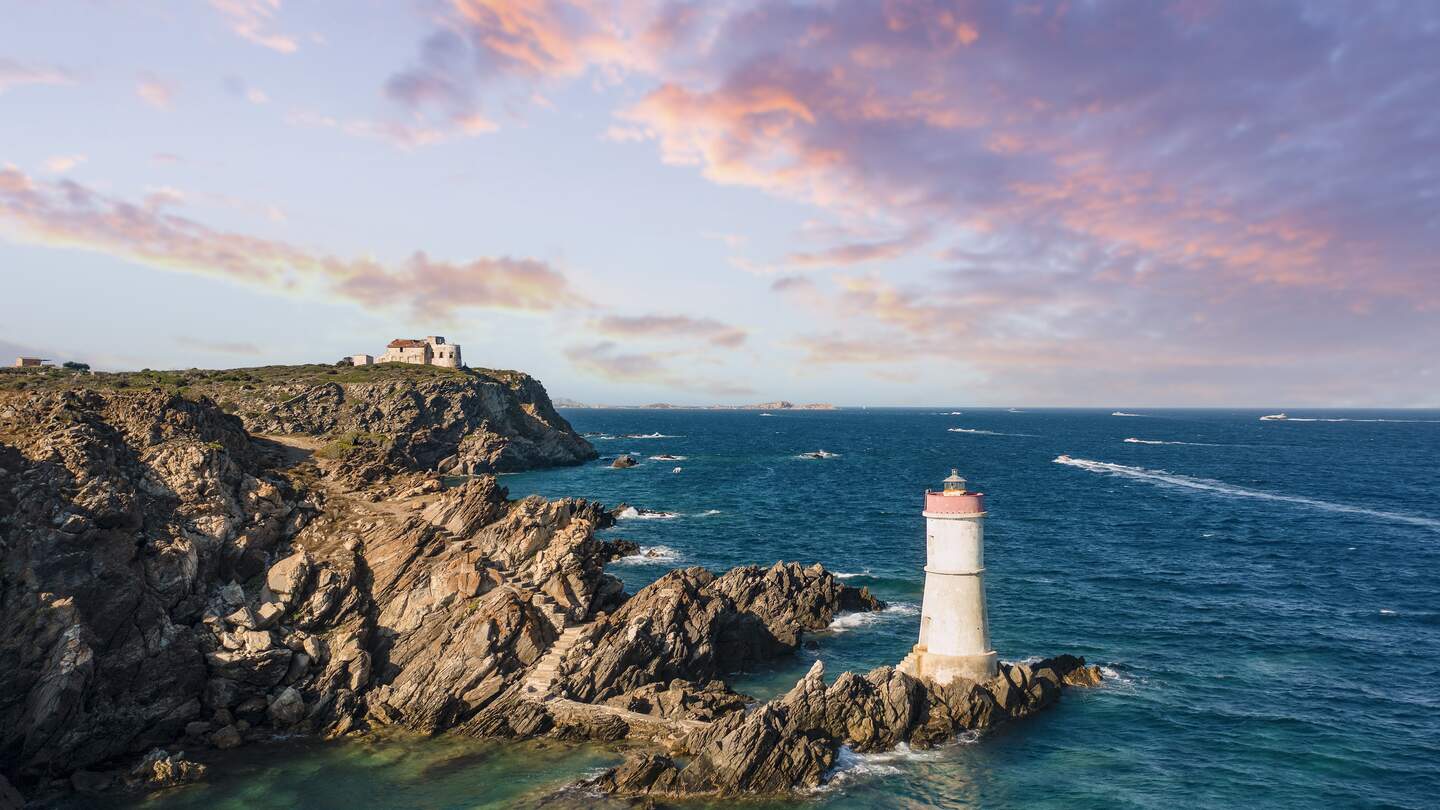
[1264, 596]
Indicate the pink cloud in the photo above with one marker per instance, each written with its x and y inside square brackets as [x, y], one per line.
[253, 20]
[708, 330]
[68, 214]
[17, 74]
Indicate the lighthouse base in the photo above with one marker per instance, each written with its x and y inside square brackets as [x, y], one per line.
[942, 669]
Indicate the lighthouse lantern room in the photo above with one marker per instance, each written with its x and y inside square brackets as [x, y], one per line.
[954, 631]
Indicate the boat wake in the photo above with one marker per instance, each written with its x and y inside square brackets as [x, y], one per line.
[1169, 479]
[1157, 441]
[1337, 419]
[976, 432]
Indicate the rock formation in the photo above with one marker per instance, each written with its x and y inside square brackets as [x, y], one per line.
[791, 743]
[171, 583]
[168, 582]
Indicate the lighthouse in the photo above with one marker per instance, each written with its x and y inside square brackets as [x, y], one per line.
[954, 631]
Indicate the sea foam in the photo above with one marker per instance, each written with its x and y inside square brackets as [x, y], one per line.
[1169, 479]
[645, 514]
[845, 622]
[651, 555]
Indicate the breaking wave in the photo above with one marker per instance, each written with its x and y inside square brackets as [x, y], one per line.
[850, 766]
[846, 622]
[976, 432]
[1122, 413]
[667, 458]
[651, 555]
[645, 514]
[650, 436]
[709, 513]
[1164, 478]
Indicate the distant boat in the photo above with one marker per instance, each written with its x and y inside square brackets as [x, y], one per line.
[767, 414]
[1122, 413]
[1274, 417]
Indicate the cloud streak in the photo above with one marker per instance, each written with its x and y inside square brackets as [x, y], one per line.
[68, 214]
[253, 21]
[16, 74]
[708, 330]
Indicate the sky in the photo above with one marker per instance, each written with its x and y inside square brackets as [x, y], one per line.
[878, 202]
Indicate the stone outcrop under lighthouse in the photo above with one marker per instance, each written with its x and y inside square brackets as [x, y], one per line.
[954, 629]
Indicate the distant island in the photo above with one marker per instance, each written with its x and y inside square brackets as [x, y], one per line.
[777, 405]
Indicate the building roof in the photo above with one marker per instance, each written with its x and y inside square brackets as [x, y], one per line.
[406, 343]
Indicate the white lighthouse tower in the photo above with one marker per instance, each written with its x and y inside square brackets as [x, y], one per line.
[954, 631]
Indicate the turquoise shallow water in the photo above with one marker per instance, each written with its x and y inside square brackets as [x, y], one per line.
[1265, 597]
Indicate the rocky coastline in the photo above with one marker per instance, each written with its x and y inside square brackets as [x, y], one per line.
[181, 575]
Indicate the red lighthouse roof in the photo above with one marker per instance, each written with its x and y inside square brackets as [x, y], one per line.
[954, 498]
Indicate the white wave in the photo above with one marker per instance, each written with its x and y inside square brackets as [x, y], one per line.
[846, 622]
[1115, 678]
[976, 432]
[1385, 612]
[645, 514]
[1122, 413]
[1164, 478]
[819, 454]
[850, 766]
[601, 437]
[651, 555]
[709, 513]
[1156, 441]
[851, 574]
[664, 457]
[651, 436]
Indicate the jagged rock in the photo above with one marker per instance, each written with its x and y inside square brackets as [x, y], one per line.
[287, 708]
[790, 743]
[691, 625]
[227, 737]
[623, 462]
[159, 769]
[682, 700]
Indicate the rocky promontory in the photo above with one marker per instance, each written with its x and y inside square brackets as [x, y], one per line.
[180, 576]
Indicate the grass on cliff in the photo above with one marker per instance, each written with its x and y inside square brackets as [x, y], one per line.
[347, 443]
[278, 381]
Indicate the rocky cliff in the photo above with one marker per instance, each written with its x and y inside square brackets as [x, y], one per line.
[386, 418]
[170, 581]
[213, 560]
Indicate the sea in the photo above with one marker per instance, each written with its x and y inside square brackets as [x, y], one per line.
[1262, 596]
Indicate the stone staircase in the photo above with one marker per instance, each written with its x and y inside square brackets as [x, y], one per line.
[542, 678]
[553, 611]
